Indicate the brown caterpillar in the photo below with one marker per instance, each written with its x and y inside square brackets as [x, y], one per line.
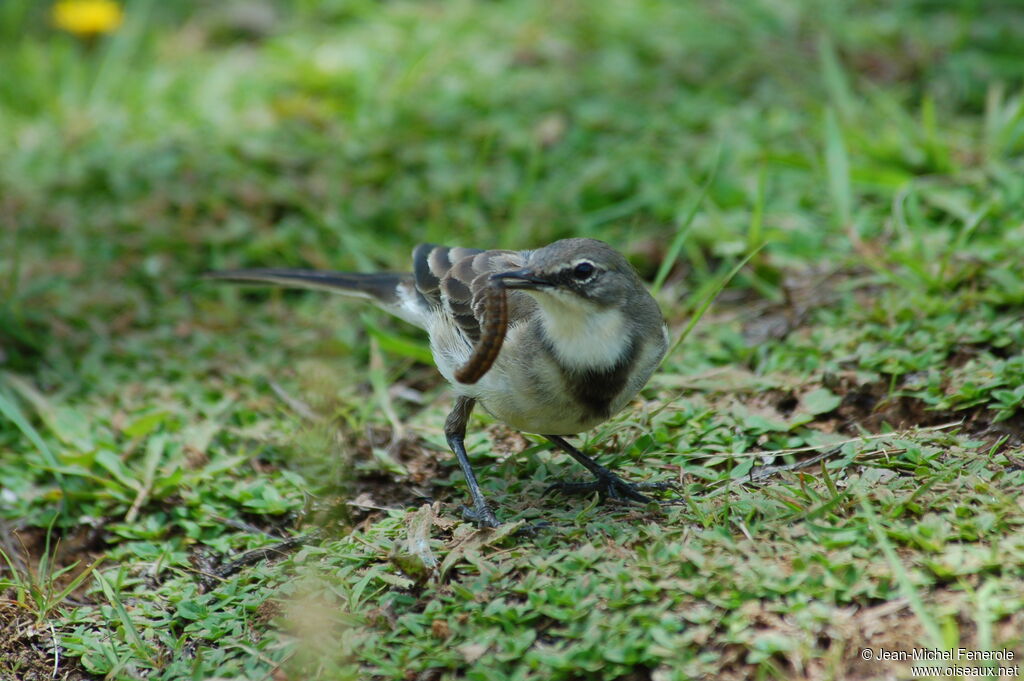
[492, 334]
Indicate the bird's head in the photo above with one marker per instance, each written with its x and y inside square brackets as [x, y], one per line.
[584, 272]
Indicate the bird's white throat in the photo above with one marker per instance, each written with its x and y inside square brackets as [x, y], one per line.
[583, 335]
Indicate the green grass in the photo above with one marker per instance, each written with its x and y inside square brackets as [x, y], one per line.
[163, 425]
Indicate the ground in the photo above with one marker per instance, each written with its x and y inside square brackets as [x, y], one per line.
[203, 481]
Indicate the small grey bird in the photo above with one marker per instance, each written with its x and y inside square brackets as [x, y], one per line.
[583, 337]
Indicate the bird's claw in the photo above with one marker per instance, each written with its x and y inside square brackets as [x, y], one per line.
[481, 516]
[611, 486]
[485, 518]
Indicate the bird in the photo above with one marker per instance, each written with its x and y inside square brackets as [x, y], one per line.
[583, 336]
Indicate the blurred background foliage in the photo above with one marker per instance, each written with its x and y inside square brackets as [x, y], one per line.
[338, 133]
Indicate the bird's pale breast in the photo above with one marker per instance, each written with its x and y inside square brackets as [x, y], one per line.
[527, 389]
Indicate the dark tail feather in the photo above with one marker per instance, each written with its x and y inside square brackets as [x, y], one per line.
[392, 291]
[379, 285]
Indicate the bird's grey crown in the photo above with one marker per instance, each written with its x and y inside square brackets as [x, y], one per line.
[566, 252]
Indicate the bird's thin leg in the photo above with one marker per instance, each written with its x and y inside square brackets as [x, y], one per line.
[607, 485]
[455, 432]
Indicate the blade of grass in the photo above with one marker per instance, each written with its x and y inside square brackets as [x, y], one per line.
[710, 298]
[837, 165]
[985, 598]
[380, 381]
[672, 254]
[907, 588]
[130, 631]
[77, 581]
[154, 454]
[9, 409]
[18, 581]
[119, 57]
[834, 78]
[968, 227]
[938, 152]
[756, 227]
[397, 345]
[701, 309]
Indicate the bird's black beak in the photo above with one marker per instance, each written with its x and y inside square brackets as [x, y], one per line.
[521, 279]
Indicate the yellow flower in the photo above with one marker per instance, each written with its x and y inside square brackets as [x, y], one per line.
[87, 17]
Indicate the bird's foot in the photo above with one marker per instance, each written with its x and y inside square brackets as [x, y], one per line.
[610, 486]
[485, 518]
[481, 516]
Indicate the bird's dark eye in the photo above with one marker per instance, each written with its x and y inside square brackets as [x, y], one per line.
[583, 270]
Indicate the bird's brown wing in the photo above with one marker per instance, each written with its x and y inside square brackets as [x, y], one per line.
[455, 278]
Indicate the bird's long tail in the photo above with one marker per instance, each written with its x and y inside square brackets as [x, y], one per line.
[394, 292]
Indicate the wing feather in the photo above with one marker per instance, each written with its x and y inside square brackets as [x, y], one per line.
[454, 279]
